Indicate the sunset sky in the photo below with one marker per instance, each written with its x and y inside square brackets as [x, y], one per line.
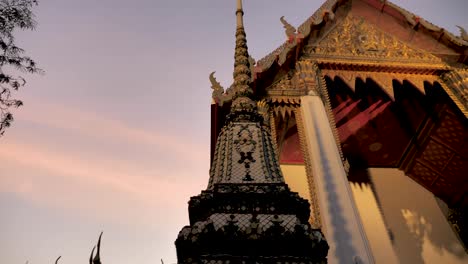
[114, 137]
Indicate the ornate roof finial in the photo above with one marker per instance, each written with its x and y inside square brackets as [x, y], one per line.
[242, 91]
[289, 29]
[463, 33]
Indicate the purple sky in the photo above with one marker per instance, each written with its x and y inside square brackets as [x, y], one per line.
[115, 135]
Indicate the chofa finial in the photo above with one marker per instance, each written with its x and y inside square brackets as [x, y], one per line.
[463, 33]
[289, 29]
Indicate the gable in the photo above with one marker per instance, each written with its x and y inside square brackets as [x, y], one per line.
[354, 38]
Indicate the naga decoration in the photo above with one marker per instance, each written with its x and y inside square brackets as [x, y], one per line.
[219, 94]
[218, 90]
[262, 107]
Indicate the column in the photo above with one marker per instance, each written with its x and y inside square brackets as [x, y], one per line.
[340, 218]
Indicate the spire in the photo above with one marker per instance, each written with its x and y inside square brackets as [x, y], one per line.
[239, 14]
[242, 74]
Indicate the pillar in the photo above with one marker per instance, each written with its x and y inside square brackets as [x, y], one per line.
[339, 216]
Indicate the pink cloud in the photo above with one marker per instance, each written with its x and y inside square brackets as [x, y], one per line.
[97, 125]
[91, 187]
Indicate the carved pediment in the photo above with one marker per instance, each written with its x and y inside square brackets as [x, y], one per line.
[288, 84]
[354, 38]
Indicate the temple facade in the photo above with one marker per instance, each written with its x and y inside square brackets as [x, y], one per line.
[366, 108]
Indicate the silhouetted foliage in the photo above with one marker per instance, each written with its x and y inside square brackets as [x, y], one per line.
[97, 257]
[14, 14]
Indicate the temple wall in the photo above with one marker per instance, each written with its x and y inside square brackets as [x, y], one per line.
[373, 223]
[415, 224]
[403, 222]
[296, 178]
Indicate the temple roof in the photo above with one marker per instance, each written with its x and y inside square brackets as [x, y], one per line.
[327, 10]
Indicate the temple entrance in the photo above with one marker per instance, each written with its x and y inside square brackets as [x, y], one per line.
[406, 150]
[419, 132]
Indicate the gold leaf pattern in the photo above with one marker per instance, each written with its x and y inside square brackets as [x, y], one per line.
[355, 37]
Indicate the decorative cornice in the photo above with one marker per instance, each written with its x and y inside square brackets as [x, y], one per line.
[383, 79]
[381, 65]
[286, 99]
[454, 82]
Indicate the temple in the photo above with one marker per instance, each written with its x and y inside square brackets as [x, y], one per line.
[362, 112]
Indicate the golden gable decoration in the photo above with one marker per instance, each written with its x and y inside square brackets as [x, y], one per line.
[290, 84]
[354, 37]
